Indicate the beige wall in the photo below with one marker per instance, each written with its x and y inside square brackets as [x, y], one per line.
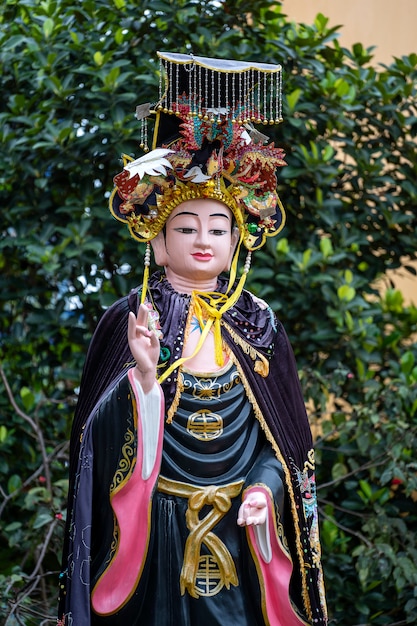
[390, 25]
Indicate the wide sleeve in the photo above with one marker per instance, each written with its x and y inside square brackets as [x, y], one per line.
[135, 439]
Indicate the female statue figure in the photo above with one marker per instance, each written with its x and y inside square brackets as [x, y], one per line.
[192, 497]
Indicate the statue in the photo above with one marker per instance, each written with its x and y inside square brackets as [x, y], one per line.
[192, 498]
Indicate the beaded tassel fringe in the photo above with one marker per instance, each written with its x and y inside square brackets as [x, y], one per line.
[247, 92]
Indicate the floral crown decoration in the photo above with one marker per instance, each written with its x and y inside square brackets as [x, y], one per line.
[205, 145]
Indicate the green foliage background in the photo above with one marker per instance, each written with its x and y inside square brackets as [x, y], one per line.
[72, 73]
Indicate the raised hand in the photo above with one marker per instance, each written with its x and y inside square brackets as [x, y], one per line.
[144, 346]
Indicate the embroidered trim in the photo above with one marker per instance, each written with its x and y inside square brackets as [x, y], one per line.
[126, 462]
[310, 463]
[114, 543]
[176, 400]
[261, 363]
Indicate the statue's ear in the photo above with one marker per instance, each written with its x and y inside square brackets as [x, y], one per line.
[159, 249]
[233, 244]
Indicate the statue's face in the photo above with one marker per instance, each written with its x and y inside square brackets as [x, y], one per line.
[199, 241]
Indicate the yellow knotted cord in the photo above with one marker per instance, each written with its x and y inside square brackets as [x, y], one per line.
[144, 285]
[182, 360]
[208, 303]
[233, 267]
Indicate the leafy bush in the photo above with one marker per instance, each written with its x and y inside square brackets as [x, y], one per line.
[72, 74]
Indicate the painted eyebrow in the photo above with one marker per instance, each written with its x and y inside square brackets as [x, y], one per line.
[219, 215]
[184, 213]
[196, 215]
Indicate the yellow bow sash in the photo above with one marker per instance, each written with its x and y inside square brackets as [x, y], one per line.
[209, 308]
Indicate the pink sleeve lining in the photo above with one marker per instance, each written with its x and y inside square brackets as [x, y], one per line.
[274, 575]
[131, 503]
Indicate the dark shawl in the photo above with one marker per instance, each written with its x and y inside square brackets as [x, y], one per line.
[278, 397]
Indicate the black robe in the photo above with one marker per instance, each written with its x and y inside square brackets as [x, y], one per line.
[254, 337]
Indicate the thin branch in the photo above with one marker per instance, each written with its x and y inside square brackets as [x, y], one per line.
[344, 510]
[363, 467]
[35, 427]
[45, 545]
[346, 529]
[403, 622]
[17, 603]
[7, 497]
[33, 580]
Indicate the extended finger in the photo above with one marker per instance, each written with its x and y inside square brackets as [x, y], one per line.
[244, 513]
[142, 317]
[133, 328]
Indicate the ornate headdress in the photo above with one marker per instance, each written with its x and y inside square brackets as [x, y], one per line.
[205, 145]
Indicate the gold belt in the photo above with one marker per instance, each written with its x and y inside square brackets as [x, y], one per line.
[220, 499]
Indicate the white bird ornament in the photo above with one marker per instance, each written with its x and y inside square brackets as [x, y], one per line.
[153, 163]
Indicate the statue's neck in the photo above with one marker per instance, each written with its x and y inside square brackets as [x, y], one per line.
[184, 285]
